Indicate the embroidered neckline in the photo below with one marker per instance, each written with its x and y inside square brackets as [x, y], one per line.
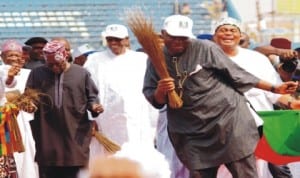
[181, 76]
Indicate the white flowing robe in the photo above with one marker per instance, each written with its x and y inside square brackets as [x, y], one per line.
[127, 116]
[26, 166]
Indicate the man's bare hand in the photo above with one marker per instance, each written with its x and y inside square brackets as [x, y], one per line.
[30, 108]
[98, 108]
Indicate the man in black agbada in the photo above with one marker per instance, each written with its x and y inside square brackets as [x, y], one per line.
[61, 128]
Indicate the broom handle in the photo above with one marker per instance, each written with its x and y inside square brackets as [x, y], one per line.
[98, 135]
[175, 101]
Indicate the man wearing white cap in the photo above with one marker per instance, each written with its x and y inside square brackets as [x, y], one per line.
[227, 34]
[118, 73]
[61, 128]
[214, 126]
[81, 53]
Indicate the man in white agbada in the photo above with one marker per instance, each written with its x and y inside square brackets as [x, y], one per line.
[118, 73]
[227, 35]
[12, 55]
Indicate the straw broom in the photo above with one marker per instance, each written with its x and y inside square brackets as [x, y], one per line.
[144, 31]
[109, 145]
[11, 140]
[32, 96]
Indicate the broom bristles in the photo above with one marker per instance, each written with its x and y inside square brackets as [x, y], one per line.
[143, 30]
[108, 144]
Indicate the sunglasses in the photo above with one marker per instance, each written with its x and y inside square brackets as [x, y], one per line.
[110, 39]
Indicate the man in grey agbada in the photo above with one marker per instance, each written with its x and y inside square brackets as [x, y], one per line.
[214, 126]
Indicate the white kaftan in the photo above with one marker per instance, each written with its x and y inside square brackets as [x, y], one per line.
[260, 66]
[127, 115]
[26, 166]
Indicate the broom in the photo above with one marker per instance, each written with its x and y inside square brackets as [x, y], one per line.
[29, 98]
[32, 96]
[144, 31]
[109, 145]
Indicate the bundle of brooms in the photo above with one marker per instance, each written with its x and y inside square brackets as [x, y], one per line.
[31, 96]
[144, 31]
[108, 144]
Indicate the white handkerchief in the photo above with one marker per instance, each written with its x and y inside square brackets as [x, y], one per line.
[197, 69]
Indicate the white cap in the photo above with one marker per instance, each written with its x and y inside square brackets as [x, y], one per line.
[116, 30]
[81, 50]
[226, 21]
[179, 25]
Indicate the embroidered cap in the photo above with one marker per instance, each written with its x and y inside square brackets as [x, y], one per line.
[55, 50]
[11, 45]
[116, 30]
[226, 21]
[179, 25]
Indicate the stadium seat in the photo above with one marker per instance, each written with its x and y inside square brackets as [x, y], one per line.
[82, 21]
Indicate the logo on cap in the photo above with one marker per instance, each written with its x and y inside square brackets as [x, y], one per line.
[113, 28]
[116, 30]
[183, 24]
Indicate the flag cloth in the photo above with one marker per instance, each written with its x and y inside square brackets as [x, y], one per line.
[281, 135]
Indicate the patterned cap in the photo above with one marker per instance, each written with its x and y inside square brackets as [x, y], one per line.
[11, 45]
[226, 21]
[55, 50]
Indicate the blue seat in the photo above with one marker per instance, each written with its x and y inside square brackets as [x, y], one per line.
[70, 18]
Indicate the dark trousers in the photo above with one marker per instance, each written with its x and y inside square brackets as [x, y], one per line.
[277, 171]
[280, 171]
[243, 168]
[58, 172]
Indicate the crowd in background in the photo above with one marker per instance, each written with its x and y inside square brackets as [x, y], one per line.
[119, 93]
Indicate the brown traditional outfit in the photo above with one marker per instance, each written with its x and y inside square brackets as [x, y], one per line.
[61, 127]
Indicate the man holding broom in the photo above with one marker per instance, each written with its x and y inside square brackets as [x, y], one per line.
[214, 125]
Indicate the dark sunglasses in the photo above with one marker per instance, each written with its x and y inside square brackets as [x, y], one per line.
[110, 39]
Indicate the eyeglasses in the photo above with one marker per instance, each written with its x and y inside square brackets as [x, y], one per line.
[110, 39]
[178, 38]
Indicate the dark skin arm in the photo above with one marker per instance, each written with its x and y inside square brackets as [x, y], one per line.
[163, 87]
